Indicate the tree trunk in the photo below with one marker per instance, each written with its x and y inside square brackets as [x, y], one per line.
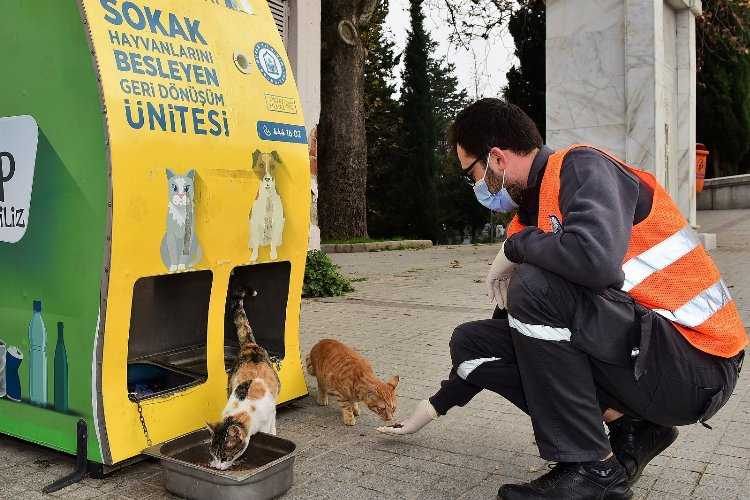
[342, 143]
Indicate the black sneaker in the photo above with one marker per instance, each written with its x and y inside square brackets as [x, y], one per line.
[636, 442]
[575, 481]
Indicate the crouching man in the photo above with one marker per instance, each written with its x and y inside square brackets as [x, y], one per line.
[615, 311]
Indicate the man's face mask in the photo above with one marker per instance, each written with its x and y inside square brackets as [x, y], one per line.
[497, 202]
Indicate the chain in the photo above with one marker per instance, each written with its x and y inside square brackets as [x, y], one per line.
[276, 362]
[137, 401]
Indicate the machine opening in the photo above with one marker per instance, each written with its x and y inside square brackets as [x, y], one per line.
[168, 331]
[266, 311]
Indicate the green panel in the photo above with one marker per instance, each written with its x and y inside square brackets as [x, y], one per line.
[51, 428]
[48, 74]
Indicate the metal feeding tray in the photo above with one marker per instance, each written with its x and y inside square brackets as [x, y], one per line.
[264, 471]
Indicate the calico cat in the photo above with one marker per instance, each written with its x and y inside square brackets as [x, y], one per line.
[347, 375]
[180, 249]
[254, 384]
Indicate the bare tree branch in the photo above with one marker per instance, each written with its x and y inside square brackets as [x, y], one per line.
[474, 19]
[723, 30]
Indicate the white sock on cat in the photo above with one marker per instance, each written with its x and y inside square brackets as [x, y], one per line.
[422, 415]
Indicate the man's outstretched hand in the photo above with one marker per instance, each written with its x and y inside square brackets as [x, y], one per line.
[422, 415]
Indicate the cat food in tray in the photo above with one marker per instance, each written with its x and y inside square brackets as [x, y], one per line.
[264, 471]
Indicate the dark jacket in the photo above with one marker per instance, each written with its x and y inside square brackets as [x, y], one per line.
[600, 202]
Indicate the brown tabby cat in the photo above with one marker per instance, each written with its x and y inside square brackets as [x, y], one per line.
[347, 375]
[252, 403]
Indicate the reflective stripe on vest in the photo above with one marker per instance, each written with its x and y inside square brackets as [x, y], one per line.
[659, 256]
[701, 307]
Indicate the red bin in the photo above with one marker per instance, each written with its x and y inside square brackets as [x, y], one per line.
[701, 158]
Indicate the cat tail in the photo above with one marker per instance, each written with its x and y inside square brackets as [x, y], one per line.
[309, 364]
[244, 330]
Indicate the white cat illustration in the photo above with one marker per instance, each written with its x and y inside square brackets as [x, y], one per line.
[267, 215]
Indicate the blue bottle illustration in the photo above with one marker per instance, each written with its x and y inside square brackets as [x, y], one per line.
[37, 357]
[13, 360]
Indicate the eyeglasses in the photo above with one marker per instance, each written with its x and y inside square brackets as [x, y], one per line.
[466, 172]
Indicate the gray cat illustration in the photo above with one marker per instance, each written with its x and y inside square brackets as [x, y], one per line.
[180, 249]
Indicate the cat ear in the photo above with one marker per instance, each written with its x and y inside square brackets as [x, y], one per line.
[393, 381]
[191, 175]
[170, 174]
[256, 158]
[275, 156]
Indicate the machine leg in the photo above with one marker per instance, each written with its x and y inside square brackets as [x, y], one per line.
[79, 473]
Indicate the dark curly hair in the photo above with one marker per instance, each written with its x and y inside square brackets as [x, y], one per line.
[493, 122]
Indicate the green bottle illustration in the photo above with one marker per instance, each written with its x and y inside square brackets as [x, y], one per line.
[61, 372]
[37, 357]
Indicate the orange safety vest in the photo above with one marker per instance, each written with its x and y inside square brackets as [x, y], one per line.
[666, 267]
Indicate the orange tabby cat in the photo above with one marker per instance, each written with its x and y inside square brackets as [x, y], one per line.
[347, 375]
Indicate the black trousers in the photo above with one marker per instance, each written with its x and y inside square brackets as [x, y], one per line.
[564, 353]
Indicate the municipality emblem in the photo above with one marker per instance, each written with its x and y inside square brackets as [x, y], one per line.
[269, 63]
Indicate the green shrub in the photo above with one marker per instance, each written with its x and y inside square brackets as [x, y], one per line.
[322, 277]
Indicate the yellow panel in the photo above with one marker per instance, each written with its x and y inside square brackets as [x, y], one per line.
[148, 45]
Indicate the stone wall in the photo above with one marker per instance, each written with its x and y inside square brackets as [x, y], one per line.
[303, 46]
[724, 193]
[621, 75]
[586, 73]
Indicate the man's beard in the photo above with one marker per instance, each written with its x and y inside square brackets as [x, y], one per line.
[495, 183]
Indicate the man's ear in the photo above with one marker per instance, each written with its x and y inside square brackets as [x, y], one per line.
[499, 158]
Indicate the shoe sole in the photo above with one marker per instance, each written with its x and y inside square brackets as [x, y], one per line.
[626, 496]
[663, 445]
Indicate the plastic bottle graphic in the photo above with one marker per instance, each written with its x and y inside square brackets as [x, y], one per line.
[61, 372]
[37, 357]
[3, 353]
[12, 382]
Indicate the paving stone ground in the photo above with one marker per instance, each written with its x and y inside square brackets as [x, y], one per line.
[401, 316]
